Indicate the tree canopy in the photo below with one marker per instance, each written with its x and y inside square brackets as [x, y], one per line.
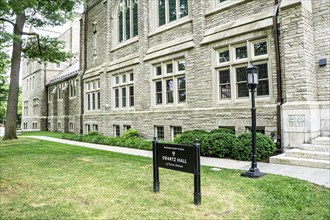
[37, 13]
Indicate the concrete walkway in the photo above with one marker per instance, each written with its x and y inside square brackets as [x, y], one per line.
[314, 175]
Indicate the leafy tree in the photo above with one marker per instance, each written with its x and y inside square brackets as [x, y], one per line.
[37, 13]
[4, 63]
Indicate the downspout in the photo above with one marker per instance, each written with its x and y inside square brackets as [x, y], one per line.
[278, 77]
[47, 105]
[84, 70]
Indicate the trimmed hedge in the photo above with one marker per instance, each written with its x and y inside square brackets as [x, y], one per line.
[218, 144]
[222, 130]
[265, 147]
[189, 137]
[113, 141]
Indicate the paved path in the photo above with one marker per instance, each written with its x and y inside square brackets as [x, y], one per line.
[314, 175]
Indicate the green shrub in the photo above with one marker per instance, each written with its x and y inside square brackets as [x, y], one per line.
[243, 151]
[93, 133]
[222, 130]
[131, 133]
[218, 144]
[189, 137]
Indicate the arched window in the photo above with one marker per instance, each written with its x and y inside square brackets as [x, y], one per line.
[127, 19]
[171, 10]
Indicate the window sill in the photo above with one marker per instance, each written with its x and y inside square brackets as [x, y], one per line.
[223, 6]
[125, 43]
[170, 25]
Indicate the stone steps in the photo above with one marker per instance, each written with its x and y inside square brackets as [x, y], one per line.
[283, 159]
[321, 141]
[316, 154]
[314, 147]
[308, 154]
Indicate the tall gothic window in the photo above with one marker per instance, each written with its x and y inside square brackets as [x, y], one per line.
[127, 19]
[171, 10]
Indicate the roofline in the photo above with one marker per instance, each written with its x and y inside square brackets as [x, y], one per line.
[62, 78]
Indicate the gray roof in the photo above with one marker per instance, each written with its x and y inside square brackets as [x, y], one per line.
[70, 72]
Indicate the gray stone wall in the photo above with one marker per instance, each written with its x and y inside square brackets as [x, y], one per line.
[303, 39]
[321, 19]
[200, 110]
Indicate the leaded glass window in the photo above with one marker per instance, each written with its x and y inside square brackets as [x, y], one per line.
[224, 56]
[241, 52]
[169, 91]
[123, 90]
[182, 89]
[263, 87]
[172, 85]
[161, 12]
[160, 134]
[171, 10]
[260, 48]
[241, 77]
[127, 19]
[159, 97]
[225, 89]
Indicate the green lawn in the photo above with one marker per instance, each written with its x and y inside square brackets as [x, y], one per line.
[43, 133]
[46, 180]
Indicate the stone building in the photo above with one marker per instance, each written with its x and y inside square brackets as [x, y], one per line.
[36, 77]
[166, 66]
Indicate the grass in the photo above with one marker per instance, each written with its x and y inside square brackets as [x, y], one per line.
[43, 133]
[41, 179]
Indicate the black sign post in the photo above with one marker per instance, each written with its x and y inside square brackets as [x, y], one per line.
[178, 157]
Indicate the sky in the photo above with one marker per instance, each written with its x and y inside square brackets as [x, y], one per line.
[59, 29]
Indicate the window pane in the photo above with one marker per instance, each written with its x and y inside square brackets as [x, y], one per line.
[169, 91]
[131, 77]
[98, 100]
[263, 71]
[263, 88]
[225, 90]
[172, 10]
[159, 97]
[176, 131]
[117, 98]
[181, 65]
[120, 22]
[183, 8]
[169, 68]
[135, 18]
[117, 79]
[241, 52]
[160, 132]
[241, 74]
[224, 56]
[131, 96]
[128, 19]
[158, 70]
[161, 12]
[123, 94]
[182, 89]
[89, 102]
[260, 48]
[93, 101]
[242, 90]
[124, 78]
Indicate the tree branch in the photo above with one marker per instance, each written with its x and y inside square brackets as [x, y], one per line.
[6, 20]
[33, 34]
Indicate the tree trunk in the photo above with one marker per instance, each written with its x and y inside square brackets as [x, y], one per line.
[11, 116]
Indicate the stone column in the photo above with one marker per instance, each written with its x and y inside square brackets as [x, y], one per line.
[300, 113]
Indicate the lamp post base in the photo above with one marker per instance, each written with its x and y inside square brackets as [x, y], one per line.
[253, 173]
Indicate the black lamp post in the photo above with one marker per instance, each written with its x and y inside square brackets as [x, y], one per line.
[252, 83]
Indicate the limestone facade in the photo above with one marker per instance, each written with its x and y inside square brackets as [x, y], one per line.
[181, 66]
